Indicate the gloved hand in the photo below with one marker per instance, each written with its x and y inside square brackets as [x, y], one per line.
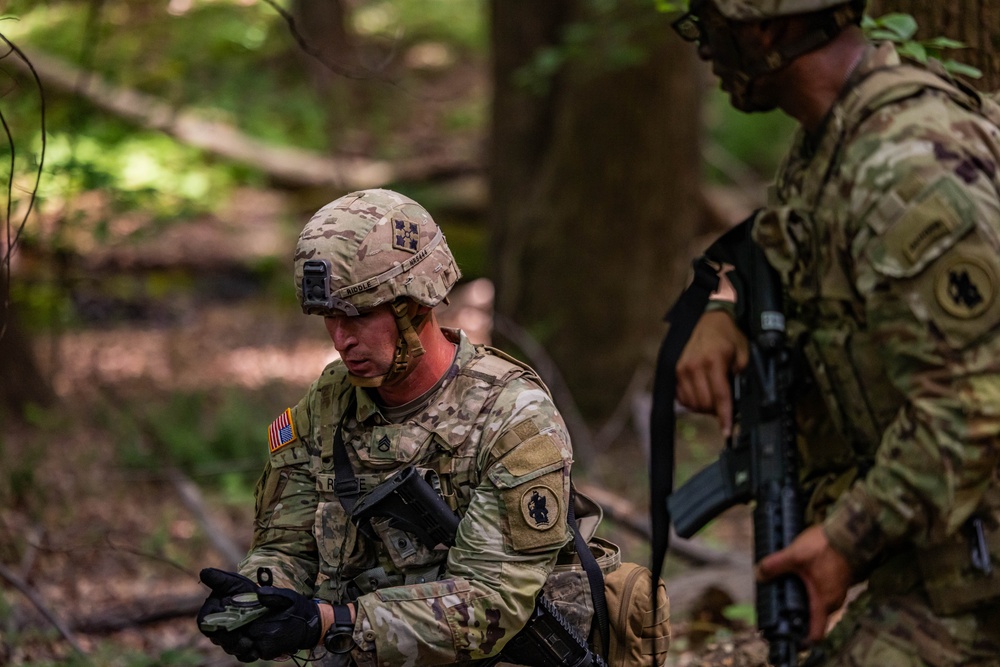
[224, 586]
[292, 625]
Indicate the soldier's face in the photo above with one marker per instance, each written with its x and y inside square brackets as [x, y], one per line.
[729, 46]
[366, 342]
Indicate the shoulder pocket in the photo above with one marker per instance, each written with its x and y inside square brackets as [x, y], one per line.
[533, 484]
[912, 234]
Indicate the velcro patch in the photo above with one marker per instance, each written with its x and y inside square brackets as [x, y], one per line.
[540, 507]
[281, 432]
[405, 235]
[965, 287]
[536, 513]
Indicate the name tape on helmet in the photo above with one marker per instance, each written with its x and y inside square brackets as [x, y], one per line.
[375, 281]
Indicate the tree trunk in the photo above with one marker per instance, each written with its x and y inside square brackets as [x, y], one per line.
[328, 54]
[973, 22]
[594, 192]
[21, 382]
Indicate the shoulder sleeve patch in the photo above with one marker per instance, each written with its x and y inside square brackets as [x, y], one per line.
[965, 287]
[958, 293]
[281, 432]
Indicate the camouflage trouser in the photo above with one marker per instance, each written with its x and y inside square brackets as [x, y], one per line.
[901, 630]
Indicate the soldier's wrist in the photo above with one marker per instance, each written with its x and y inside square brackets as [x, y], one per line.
[853, 531]
[337, 627]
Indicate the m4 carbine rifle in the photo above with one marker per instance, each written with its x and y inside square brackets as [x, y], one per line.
[412, 505]
[759, 464]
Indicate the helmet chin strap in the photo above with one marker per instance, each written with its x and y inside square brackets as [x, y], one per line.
[408, 345]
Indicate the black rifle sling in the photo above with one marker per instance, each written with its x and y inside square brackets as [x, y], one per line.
[594, 576]
[345, 482]
[682, 318]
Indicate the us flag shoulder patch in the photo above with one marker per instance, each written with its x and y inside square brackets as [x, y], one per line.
[281, 431]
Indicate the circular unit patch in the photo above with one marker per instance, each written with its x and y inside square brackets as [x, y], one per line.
[540, 507]
[965, 288]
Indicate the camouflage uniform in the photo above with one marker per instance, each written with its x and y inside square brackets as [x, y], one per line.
[490, 435]
[885, 227]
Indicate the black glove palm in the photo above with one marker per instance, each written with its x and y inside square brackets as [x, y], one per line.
[292, 625]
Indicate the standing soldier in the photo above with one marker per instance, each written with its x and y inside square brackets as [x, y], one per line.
[404, 392]
[884, 225]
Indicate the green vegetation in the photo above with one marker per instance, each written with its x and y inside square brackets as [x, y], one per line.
[902, 28]
[216, 437]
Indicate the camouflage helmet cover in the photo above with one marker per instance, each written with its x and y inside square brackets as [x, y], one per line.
[377, 246]
[755, 10]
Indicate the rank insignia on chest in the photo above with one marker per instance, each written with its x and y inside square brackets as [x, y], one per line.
[383, 444]
[281, 431]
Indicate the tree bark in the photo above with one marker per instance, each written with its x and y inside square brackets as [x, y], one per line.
[21, 381]
[973, 22]
[594, 192]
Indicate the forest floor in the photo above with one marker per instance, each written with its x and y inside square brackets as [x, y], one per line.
[98, 534]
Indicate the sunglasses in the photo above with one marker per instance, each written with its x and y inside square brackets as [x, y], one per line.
[689, 27]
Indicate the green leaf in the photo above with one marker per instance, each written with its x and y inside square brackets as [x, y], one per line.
[878, 35]
[668, 6]
[913, 50]
[904, 25]
[963, 69]
[943, 43]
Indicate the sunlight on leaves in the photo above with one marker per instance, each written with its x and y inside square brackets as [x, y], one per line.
[900, 29]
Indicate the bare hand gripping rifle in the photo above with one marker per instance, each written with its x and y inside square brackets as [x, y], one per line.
[759, 463]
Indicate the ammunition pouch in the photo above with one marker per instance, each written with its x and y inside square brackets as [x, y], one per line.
[952, 583]
[569, 589]
[945, 573]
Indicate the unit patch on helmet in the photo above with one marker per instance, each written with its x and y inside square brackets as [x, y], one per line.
[281, 431]
[405, 235]
[965, 288]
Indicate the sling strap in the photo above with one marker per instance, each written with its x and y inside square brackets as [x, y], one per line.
[682, 318]
[345, 482]
[594, 576]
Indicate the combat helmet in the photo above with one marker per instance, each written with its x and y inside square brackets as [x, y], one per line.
[756, 10]
[827, 18]
[369, 248]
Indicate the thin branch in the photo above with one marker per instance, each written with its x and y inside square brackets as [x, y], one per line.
[12, 238]
[311, 51]
[36, 600]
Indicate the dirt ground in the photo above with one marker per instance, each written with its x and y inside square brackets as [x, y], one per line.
[100, 557]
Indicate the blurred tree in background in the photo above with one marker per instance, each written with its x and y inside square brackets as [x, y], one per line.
[595, 173]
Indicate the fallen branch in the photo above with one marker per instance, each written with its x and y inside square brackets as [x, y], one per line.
[36, 600]
[192, 499]
[287, 165]
[132, 613]
[624, 513]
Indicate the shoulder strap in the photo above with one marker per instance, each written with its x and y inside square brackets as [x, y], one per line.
[682, 317]
[594, 575]
[345, 482]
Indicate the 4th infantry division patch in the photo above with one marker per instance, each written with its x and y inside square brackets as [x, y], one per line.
[281, 431]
